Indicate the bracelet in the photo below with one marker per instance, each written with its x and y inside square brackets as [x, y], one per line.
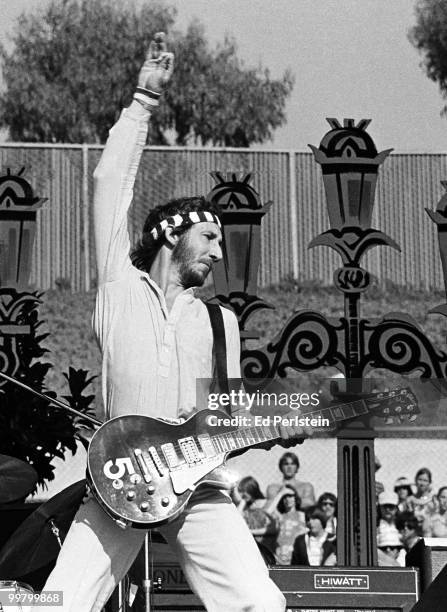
[147, 96]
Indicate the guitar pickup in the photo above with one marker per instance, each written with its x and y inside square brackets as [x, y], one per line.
[142, 464]
[170, 455]
[207, 445]
[189, 450]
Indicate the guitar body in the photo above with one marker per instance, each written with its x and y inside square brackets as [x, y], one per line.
[143, 470]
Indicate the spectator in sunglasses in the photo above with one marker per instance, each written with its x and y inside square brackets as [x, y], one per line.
[409, 529]
[389, 546]
[327, 503]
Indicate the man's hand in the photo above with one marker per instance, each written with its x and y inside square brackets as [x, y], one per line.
[158, 66]
[292, 434]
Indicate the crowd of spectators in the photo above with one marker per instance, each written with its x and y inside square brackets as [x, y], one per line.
[292, 527]
[411, 511]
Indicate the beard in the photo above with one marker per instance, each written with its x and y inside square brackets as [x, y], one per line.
[183, 255]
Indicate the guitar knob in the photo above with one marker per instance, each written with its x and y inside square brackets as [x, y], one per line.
[165, 501]
[131, 495]
[144, 507]
[135, 478]
[151, 489]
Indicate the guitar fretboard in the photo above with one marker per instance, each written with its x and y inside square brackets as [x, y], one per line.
[244, 437]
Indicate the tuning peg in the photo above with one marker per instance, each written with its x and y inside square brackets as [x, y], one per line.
[412, 418]
[389, 420]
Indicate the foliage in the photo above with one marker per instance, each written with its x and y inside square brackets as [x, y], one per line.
[31, 429]
[74, 65]
[78, 381]
[429, 36]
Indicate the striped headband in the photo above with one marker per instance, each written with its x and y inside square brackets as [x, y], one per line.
[186, 218]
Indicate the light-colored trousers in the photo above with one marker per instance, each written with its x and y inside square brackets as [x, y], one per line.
[215, 549]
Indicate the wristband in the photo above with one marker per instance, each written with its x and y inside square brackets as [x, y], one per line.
[147, 96]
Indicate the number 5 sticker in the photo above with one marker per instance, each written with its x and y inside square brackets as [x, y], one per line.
[119, 468]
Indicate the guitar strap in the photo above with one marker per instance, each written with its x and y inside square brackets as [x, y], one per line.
[219, 346]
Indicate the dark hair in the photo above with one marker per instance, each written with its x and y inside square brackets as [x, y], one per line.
[425, 471]
[281, 506]
[251, 486]
[331, 497]
[318, 514]
[440, 491]
[407, 519]
[144, 253]
[288, 456]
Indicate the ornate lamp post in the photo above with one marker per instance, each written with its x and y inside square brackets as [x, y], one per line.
[18, 209]
[236, 276]
[309, 340]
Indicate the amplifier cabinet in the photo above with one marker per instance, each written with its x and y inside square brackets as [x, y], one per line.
[430, 556]
[369, 589]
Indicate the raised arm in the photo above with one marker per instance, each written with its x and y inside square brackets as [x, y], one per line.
[114, 176]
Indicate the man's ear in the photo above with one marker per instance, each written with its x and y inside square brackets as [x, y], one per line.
[171, 238]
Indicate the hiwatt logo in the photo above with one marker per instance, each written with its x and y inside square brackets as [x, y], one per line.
[341, 581]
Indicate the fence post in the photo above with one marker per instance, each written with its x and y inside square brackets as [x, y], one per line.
[86, 218]
[293, 213]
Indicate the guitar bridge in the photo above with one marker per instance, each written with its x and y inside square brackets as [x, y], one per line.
[156, 459]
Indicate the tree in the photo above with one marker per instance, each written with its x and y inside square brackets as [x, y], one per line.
[73, 66]
[429, 36]
[31, 429]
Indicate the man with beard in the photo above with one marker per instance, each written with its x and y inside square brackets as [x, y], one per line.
[156, 341]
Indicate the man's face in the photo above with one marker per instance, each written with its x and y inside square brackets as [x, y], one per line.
[289, 468]
[388, 511]
[314, 525]
[197, 249]
[328, 507]
[407, 534]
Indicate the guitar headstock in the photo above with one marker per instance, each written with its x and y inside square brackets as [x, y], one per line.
[398, 403]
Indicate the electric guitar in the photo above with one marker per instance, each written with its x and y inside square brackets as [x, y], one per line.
[143, 470]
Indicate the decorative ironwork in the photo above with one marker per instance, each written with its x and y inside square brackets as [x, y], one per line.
[18, 209]
[350, 162]
[235, 278]
[16, 311]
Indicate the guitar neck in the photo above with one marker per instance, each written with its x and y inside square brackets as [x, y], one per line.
[266, 429]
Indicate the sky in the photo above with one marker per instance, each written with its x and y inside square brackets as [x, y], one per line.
[350, 58]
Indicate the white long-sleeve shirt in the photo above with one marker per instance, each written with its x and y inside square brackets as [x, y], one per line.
[151, 357]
